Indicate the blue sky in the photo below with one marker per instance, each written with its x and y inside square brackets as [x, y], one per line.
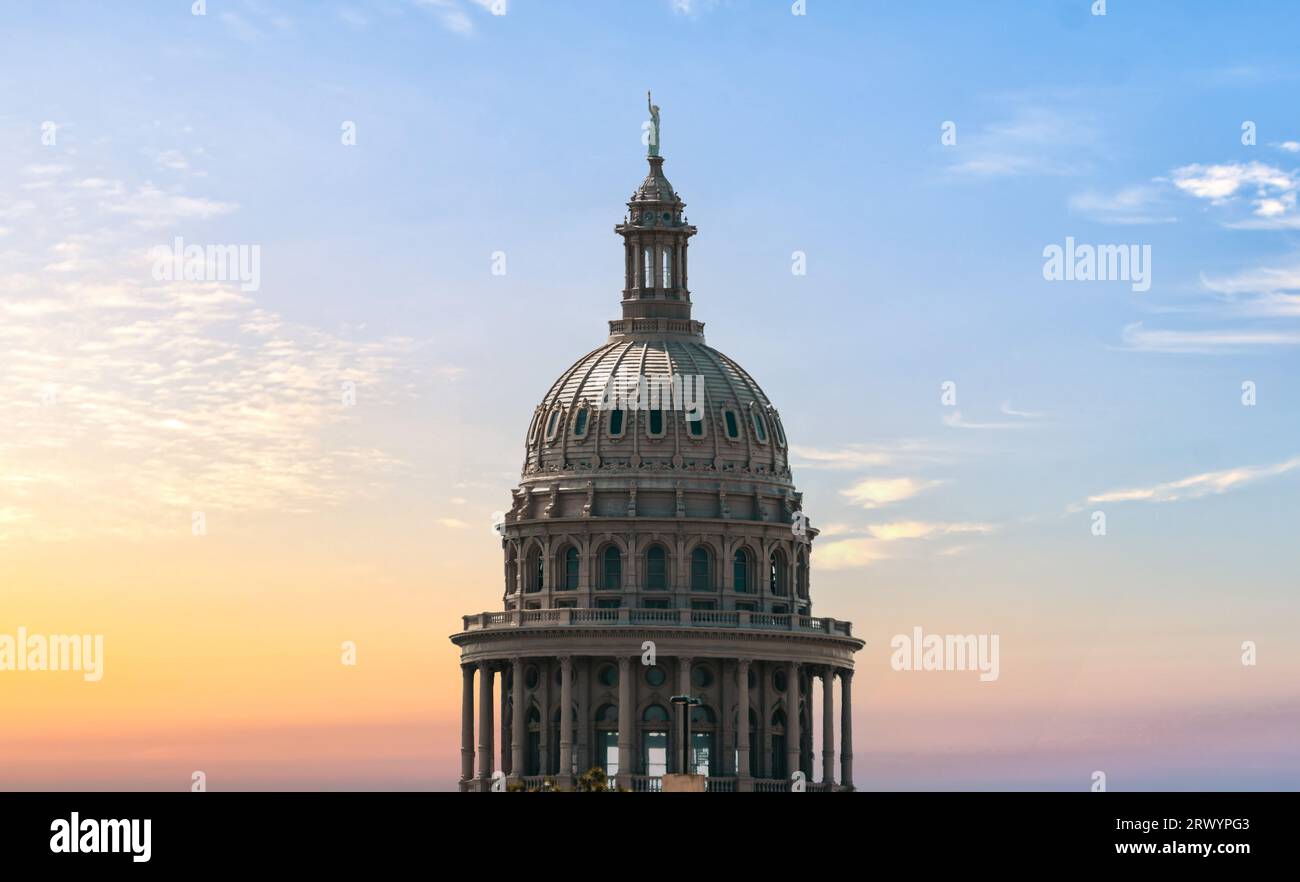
[820, 133]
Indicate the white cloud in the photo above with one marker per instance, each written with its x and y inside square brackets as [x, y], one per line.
[1219, 340]
[955, 420]
[1035, 140]
[1264, 291]
[877, 492]
[896, 530]
[129, 403]
[454, 15]
[1196, 486]
[1270, 191]
[847, 554]
[1132, 205]
[864, 456]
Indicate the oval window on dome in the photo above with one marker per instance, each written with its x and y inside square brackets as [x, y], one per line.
[552, 423]
[580, 423]
[616, 423]
[695, 423]
[655, 425]
[760, 426]
[732, 424]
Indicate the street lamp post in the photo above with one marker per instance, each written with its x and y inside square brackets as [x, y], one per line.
[684, 704]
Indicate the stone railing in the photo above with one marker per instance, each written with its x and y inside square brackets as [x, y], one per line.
[742, 620]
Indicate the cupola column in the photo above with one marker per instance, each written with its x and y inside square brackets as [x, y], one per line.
[566, 720]
[625, 720]
[846, 727]
[742, 723]
[517, 717]
[828, 726]
[793, 740]
[485, 678]
[467, 724]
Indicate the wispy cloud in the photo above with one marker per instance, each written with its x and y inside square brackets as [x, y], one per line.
[1131, 205]
[954, 419]
[865, 456]
[691, 8]
[130, 402]
[1196, 486]
[1263, 291]
[896, 530]
[1036, 140]
[877, 492]
[454, 15]
[848, 554]
[1208, 341]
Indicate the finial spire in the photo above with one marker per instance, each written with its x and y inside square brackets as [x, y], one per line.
[654, 124]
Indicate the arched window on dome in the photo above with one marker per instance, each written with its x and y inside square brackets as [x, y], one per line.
[569, 582]
[552, 424]
[656, 569]
[535, 572]
[532, 427]
[777, 576]
[701, 569]
[655, 423]
[617, 417]
[580, 420]
[740, 571]
[778, 429]
[611, 569]
[731, 423]
[760, 425]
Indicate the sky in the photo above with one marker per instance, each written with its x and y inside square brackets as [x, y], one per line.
[228, 480]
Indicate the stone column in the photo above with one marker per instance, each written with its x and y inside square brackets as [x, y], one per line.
[828, 726]
[485, 677]
[792, 733]
[565, 771]
[467, 724]
[742, 720]
[518, 718]
[846, 728]
[625, 721]
[504, 746]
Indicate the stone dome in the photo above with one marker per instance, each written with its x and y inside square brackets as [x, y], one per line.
[710, 415]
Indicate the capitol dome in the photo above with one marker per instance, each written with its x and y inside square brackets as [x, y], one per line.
[655, 508]
[715, 418]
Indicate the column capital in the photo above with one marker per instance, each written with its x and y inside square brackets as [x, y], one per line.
[744, 662]
[566, 661]
[624, 663]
